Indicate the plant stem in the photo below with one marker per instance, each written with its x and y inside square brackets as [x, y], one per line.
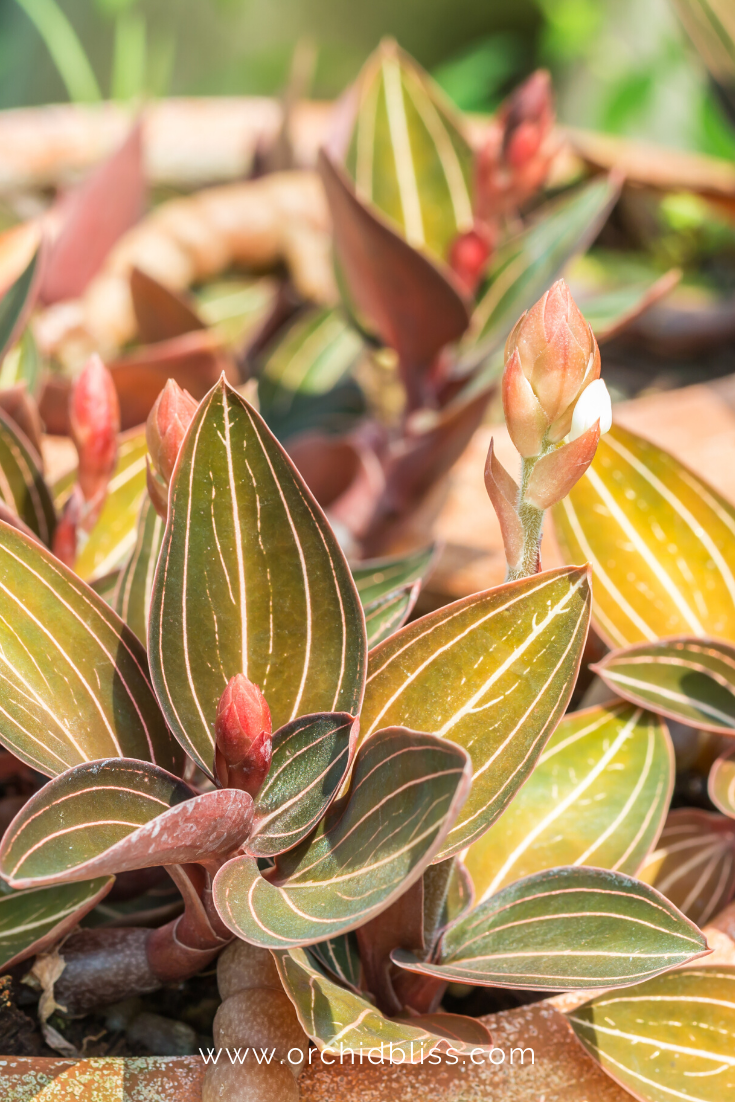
[532, 520]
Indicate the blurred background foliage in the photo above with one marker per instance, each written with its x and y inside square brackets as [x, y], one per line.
[622, 66]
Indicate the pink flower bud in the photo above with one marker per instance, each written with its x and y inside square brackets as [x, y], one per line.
[166, 427]
[554, 350]
[66, 533]
[242, 732]
[94, 419]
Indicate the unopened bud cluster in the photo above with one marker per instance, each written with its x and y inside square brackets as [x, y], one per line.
[165, 430]
[242, 732]
[552, 392]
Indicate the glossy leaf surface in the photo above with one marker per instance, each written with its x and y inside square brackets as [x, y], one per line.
[525, 267]
[114, 815]
[493, 673]
[134, 587]
[668, 1038]
[32, 920]
[305, 384]
[623, 931]
[340, 957]
[387, 614]
[74, 678]
[249, 573]
[598, 796]
[722, 784]
[22, 485]
[376, 578]
[408, 155]
[405, 791]
[693, 863]
[690, 680]
[660, 542]
[114, 534]
[333, 1015]
[311, 756]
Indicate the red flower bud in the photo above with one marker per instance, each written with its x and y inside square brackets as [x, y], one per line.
[242, 732]
[67, 530]
[166, 427]
[94, 419]
[551, 356]
[469, 255]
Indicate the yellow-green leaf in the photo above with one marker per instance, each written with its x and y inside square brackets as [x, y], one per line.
[670, 1038]
[34, 919]
[73, 677]
[693, 863]
[493, 673]
[598, 796]
[251, 580]
[408, 154]
[114, 534]
[660, 542]
[722, 784]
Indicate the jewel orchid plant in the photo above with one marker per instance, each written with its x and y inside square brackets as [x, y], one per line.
[306, 794]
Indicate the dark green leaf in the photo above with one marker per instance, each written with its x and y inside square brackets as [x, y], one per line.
[387, 614]
[311, 756]
[305, 383]
[376, 578]
[132, 596]
[250, 580]
[405, 792]
[22, 485]
[16, 303]
[340, 956]
[566, 928]
[493, 673]
[74, 678]
[32, 920]
[689, 680]
[334, 1016]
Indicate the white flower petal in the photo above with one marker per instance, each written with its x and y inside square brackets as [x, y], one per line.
[593, 405]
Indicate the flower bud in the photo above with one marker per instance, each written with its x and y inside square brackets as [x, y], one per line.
[551, 356]
[592, 405]
[166, 427]
[94, 420]
[242, 732]
[469, 255]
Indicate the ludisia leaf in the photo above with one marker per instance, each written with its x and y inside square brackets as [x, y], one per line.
[250, 580]
[376, 578]
[386, 614]
[16, 303]
[598, 796]
[668, 1038]
[22, 485]
[693, 863]
[134, 587]
[493, 673]
[722, 784]
[114, 815]
[408, 154]
[690, 680]
[311, 756]
[660, 542]
[74, 677]
[334, 1017]
[405, 792]
[563, 929]
[32, 920]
